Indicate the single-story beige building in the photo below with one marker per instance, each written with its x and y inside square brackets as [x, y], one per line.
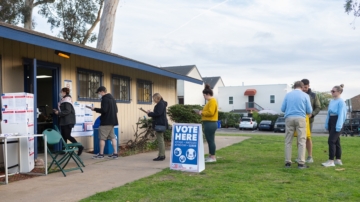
[41, 64]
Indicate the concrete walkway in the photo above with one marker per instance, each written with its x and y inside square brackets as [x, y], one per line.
[99, 175]
[234, 131]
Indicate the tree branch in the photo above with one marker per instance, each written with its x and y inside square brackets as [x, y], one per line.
[97, 20]
[43, 2]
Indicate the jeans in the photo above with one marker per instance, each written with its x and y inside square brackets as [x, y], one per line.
[209, 130]
[334, 139]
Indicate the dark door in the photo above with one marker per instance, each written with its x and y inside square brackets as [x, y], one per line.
[181, 100]
[251, 101]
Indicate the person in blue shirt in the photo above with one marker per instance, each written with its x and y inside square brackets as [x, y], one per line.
[334, 122]
[296, 105]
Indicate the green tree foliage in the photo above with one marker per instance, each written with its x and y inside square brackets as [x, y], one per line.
[352, 6]
[259, 117]
[11, 11]
[256, 117]
[15, 11]
[324, 98]
[229, 119]
[184, 113]
[76, 19]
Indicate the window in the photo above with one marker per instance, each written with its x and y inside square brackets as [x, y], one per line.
[144, 92]
[272, 98]
[121, 88]
[88, 82]
[231, 100]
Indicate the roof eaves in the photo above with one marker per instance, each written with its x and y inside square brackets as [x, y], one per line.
[43, 40]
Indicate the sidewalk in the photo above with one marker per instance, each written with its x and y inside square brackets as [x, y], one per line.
[236, 131]
[99, 175]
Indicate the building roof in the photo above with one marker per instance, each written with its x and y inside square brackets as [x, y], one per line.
[39, 39]
[212, 81]
[183, 70]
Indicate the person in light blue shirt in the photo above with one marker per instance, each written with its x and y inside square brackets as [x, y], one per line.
[335, 119]
[295, 106]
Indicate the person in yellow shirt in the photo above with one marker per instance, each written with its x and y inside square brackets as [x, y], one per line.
[209, 117]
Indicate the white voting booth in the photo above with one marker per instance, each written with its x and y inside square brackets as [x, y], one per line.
[18, 119]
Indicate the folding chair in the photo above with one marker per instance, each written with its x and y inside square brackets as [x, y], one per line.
[53, 137]
[72, 145]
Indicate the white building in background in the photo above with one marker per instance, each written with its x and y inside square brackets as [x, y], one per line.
[215, 83]
[243, 99]
[187, 92]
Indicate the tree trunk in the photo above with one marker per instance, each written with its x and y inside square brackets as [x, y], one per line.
[107, 23]
[27, 11]
[28, 14]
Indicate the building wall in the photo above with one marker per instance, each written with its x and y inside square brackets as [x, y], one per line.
[220, 83]
[355, 103]
[13, 53]
[192, 91]
[319, 122]
[262, 96]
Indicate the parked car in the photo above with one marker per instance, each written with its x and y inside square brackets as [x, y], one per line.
[279, 125]
[247, 123]
[266, 125]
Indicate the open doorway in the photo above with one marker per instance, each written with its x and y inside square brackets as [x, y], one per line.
[45, 98]
[43, 80]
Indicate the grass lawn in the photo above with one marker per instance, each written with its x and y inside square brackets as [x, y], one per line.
[252, 170]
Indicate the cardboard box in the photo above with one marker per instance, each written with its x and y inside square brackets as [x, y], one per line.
[21, 101]
[27, 162]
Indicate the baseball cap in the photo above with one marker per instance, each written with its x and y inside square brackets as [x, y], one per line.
[101, 88]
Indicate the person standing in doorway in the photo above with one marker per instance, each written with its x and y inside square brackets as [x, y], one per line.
[209, 117]
[335, 119]
[108, 120]
[315, 104]
[296, 105]
[159, 119]
[66, 113]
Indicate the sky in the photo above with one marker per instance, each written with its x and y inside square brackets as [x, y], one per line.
[254, 42]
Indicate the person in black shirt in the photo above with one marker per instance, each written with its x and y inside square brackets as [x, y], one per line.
[108, 120]
[66, 113]
[159, 119]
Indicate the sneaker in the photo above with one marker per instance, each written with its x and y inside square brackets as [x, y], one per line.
[210, 160]
[287, 165]
[114, 156]
[309, 159]
[338, 162]
[98, 156]
[302, 166]
[328, 163]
